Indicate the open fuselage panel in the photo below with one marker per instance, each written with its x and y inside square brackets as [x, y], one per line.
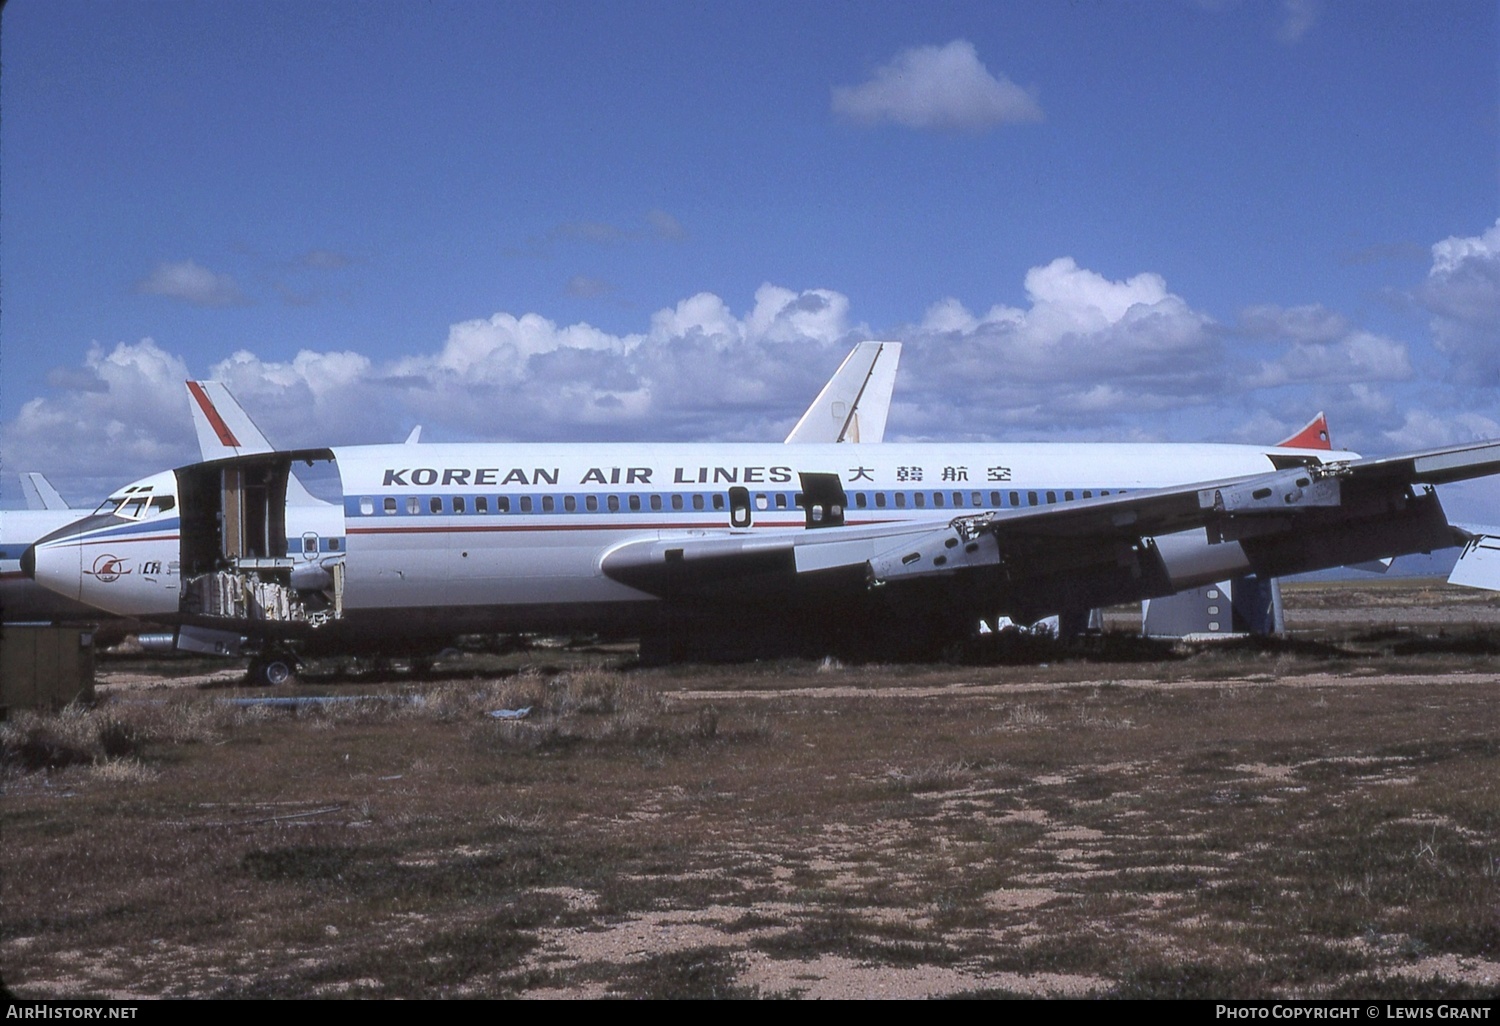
[240, 561]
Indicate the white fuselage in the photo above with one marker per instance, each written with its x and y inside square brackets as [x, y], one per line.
[464, 536]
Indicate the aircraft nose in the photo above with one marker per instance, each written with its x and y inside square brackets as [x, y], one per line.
[54, 563]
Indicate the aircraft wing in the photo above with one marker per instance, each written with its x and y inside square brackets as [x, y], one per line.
[1478, 565]
[1038, 560]
[853, 405]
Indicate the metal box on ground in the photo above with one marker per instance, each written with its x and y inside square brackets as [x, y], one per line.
[45, 667]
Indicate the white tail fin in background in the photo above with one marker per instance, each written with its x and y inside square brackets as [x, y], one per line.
[853, 405]
[39, 492]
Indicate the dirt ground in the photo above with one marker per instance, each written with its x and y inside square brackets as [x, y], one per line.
[1314, 817]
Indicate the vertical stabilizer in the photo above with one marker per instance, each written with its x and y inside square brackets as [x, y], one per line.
[1312, 436]
[39, 492]
[853, 405]
[225, 429]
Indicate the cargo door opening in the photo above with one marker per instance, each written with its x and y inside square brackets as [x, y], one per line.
[246, 556]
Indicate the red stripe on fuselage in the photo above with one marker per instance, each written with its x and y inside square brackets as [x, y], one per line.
[210, 411]
[624, 529]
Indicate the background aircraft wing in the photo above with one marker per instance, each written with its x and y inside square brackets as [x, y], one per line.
[853, 405]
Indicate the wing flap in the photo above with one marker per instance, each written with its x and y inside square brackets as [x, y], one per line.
[1478, 564]
[1037, 560]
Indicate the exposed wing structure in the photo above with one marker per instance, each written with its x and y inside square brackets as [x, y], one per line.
[1034, 561]
[853, 405]
[1478, 564]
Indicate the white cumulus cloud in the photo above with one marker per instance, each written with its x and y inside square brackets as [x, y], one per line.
[937, 87]
[191, 283]
[1462, 293]
[1316, 345]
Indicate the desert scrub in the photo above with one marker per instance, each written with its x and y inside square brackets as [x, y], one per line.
[81, 736]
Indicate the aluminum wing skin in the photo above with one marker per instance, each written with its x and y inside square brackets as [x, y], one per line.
[1039, 560]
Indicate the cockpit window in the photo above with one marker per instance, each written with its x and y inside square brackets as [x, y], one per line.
[136, 503]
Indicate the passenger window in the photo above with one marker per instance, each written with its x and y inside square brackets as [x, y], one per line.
[613, 502]
[656, 502]
[761, 502]
[413, 504]
[1068, 496]
[919, 500]
[900, 500]
[549, 504]
[481, 504]
[719, 501]
[458, 504]
[860, 499]
[502, 504]
[697, 502]
[366, 505]
[1051, 497]
[435, 504]
[880, 500]
[1031, 498]
[390, 504]
[635, 503]
[676, 502]
[1087, 494]
[591, 503]
[570, 503]
[937, 499]
[525, 504]
[1015, 498]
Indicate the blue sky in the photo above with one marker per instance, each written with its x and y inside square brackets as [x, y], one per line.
[513, 221]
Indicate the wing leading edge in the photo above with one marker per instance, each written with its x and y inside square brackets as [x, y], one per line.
[1037, 561]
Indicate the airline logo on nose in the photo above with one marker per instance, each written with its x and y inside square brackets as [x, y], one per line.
[108, 569]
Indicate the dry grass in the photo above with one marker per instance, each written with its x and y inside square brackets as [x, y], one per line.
[1242, 823]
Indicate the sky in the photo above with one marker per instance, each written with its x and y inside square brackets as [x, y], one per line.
[514, 221]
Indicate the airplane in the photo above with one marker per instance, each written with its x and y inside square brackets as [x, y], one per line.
[852, 405]
[884, 551]
[40, 494]
[22, 600]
